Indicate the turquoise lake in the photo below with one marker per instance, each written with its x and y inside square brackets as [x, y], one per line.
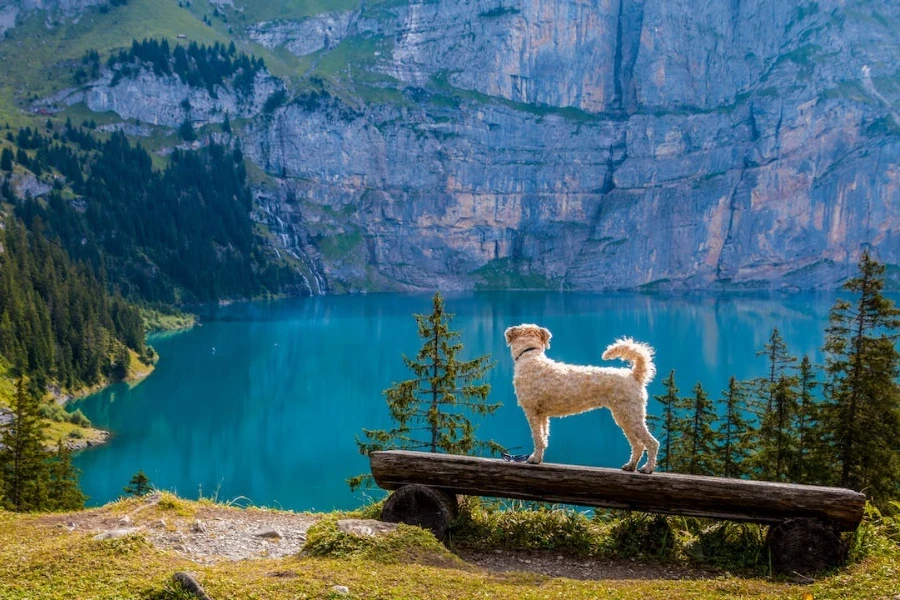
[265, 399]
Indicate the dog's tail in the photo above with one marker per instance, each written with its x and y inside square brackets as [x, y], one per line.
[640, 356]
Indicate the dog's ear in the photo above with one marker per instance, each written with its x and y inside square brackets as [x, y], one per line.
[545, 337]
[511, 333]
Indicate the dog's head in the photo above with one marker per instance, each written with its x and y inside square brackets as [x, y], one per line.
[520, 337]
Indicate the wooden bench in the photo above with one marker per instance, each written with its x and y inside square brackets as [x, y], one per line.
[805, 520]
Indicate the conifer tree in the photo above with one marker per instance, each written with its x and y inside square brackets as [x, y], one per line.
[138, 485]
[64, 493]
[6, 160]
[861, 414]
[777, 444]
[695, 450]
[432, 410]
[776, 353]
[670, 404]
[775, 407]
[735, 433]
[23, 471]
[807, 463]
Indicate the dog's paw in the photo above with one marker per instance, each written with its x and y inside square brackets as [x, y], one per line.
[535, 460]
[645, 469]
[628, 467]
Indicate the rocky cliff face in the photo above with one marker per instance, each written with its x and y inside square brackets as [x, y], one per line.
[577, 144]
[12, 10]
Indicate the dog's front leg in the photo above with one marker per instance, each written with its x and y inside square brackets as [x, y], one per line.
[540, 432]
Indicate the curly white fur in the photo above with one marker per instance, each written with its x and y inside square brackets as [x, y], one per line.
[546, 388]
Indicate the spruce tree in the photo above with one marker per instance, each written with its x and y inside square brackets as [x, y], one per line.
[861, 414]
[779, 361]
[64, 493]
[6, 160]
[777, 444]
[775, 406]
[735, 433]
[670, 404]
[22, 457]
[432, 410]
[138, 485]
[695, 449]
[807, 464]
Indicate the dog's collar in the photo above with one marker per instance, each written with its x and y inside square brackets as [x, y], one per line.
[525, 351]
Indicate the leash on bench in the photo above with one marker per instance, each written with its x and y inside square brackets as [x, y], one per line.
[514, 457]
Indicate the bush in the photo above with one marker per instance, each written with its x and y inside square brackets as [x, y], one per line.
[728, 545]
[54, 412]
[78, 418]
[518, 525]
[641, 534]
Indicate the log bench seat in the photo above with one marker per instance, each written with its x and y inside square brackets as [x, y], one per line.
[805, 520]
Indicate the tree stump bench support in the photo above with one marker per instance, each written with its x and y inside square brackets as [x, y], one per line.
[805, 519]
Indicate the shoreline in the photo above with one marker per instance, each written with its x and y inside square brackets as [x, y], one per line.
[91, 437]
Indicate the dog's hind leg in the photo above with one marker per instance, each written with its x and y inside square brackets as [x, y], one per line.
[632, 425]
[540, 434]
[652, 446]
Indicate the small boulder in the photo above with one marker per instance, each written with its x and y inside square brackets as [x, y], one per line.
[343, 590]
[189, 583]
[116, 533]
[365, 527]
[269, 534]
[125, 521]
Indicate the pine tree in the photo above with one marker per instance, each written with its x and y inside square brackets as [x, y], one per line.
[776, 352]
[861, 414]
[776, 433]
[432, 410]
[775, 407]
[669, 434]
[807, 464]
[694, 443]
[735, 432]
[138, 485]
[23, 470]
[64, 493]
[6, 160]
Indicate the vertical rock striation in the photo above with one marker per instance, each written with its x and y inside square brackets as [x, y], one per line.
[586, 144]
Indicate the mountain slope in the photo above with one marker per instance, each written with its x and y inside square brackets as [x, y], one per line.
[565, 144]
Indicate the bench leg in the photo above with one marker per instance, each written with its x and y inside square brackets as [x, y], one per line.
[420, 505]
[804, 547]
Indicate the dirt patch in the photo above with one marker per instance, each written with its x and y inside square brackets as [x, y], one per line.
[554, 564]
[214, 533]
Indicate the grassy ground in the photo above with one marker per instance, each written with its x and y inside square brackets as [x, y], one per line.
[41, 558]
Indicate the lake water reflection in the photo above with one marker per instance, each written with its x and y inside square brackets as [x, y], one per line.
[264, 400]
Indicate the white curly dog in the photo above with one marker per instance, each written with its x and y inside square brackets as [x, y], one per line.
[546, 388]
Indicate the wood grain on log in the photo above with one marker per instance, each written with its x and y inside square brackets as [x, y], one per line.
[668, 493]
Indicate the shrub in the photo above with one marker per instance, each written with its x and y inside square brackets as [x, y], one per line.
[521, 525]
[78, 418]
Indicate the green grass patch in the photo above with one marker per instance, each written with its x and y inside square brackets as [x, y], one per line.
[255, 11]
[40, 559]
[7, 383]
[38, 61]
[508, 273]
[405, 544]
[168, 319]
[339, 245]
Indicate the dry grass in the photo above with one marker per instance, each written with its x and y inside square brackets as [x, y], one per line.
[41, 558]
